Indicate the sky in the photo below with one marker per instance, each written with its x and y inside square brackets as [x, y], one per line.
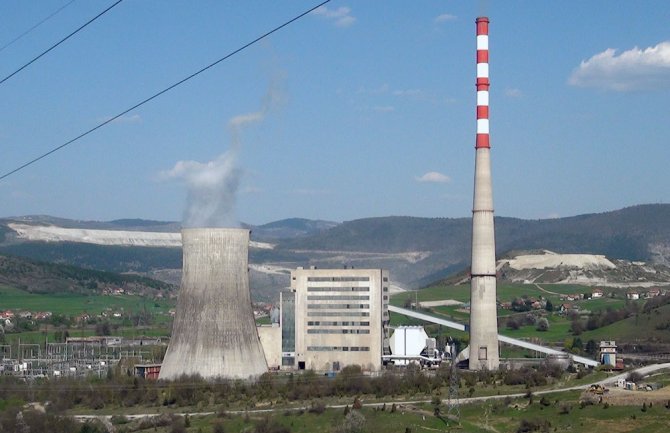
[360, 109]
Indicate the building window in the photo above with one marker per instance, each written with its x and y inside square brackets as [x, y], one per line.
[338, 298]
[339, 314]
[339, 279]
[338, 289]
[482, 353]
[336, 306]
[338, 331]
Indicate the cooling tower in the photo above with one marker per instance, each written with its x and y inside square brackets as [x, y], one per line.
[214, 333]
[483, 313]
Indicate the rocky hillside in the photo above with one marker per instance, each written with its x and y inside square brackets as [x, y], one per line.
[583, 269]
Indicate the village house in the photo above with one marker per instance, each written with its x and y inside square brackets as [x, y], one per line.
[597, 293]
[653, 292]
[633, 295]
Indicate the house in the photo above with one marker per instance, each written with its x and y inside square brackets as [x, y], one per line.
[633, 295]
[7, 314]
[653, 292]
[564, 308]
[597, 293]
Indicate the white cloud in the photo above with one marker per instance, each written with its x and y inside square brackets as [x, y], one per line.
[635, 69]
[444, 18]
[341, 16]
[511, 92]
[434, 177]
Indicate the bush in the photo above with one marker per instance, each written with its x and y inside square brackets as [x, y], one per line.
[533, 425]
[318, 407]
[542, 325]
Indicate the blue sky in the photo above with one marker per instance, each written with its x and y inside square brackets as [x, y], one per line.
[364, 109]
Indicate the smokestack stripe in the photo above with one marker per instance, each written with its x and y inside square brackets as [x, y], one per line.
[482, 83]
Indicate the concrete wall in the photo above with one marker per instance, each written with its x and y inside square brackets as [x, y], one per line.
[214, 332]
[271, 341]
[329, 319]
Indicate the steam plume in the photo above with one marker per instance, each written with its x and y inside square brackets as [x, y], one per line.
[212, 186]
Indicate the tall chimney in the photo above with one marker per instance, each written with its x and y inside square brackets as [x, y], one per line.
[483, 313]
[214, 333]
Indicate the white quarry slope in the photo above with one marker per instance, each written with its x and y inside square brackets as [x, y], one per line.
[105, 237]
[583, 269]
[553, 260]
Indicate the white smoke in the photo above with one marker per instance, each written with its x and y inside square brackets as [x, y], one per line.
[212, 186]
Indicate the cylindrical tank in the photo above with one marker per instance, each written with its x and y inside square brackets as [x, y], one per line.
[214, 333]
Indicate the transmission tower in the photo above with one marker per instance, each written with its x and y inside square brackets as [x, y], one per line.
[453, 405]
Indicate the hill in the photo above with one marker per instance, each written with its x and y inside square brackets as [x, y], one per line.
[417, 251]
[40, 277]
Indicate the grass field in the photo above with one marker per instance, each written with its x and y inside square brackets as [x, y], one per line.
[74, 304]
[559, 329]
[552, 412]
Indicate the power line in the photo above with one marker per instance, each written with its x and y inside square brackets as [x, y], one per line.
[167, 89]
[59, 42]
[54, 13]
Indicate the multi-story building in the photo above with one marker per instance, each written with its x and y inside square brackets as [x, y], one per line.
[341, 318]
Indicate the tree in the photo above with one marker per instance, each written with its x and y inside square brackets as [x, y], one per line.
[353, 423]
[591, 347]
[542, 325]
[512, 324]
[549, 306]
[576, 327]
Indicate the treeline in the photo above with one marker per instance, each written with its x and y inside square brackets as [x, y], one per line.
[120, 390]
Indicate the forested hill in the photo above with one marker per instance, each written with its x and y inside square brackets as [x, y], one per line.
[634, 233]
[39, 277]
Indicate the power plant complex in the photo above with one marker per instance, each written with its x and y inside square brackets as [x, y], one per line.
[329, 318]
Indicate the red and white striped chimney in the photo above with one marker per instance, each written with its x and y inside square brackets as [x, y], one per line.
[482, 82]
[483, 314]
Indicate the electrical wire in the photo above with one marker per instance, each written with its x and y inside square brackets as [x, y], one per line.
[59, 42]
[54, 13]
[167, 89]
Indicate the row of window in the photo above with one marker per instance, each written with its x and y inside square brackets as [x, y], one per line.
[338, 349]
[338, 314]
[338, 331]
[348, 279]
[344, 323]
[338, 298]
[336, 306]
[338, 289]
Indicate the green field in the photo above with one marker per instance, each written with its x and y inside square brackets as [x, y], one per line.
[75, 304]
[559, 325]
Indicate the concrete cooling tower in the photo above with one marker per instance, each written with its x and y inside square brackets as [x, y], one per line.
[214, 333]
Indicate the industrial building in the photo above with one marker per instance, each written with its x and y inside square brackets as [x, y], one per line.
[331, 318]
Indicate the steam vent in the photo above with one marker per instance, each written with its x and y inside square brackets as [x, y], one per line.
[214, 333]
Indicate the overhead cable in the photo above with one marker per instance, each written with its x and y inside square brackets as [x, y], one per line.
[167, 89]
[51, 15]
[59, 42]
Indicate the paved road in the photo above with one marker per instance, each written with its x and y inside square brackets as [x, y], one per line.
[644, 371]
